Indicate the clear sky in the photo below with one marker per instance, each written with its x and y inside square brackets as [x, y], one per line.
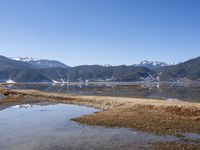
[101, 31]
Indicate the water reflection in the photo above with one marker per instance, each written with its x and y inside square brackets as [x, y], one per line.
[182, 91]
[1, 96]
[47, 126]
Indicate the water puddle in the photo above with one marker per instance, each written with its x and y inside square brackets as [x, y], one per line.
[193, 136]
[1, 96]
[47, 126]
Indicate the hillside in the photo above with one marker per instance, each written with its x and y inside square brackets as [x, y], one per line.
[41, 63]
[25, 71]
[114, 73]
[187, 71]
[19, 71]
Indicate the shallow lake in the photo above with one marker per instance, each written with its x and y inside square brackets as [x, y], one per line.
[181, 91]
[45, 126]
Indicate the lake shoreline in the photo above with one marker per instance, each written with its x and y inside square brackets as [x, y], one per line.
[154, 116]
[164, 91]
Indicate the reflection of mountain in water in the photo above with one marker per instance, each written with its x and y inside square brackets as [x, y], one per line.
[19, 105]
[1, 96]
[187, 92]
[176, 91]
[26, 106]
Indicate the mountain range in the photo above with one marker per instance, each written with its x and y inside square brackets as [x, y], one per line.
[41, 70]
[152, 64]
[41, 63]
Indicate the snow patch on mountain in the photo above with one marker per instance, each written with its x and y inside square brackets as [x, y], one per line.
[25, 59]
[152, 64]
[41, 63]
[10, 81]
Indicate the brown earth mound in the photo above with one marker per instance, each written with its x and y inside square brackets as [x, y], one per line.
[176, 146]
[154, 119]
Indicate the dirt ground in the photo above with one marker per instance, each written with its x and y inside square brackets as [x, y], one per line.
[176, 146]
[171, 120]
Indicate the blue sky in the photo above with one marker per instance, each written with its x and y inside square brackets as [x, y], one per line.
[101, 31]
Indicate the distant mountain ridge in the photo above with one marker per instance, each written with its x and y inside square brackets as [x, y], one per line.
[18, 71]
[41, 63]
[152, 64]
[187, 71]
[36, 70]
[44, 63]
[26, 59]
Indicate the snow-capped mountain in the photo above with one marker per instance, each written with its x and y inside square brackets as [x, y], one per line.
[44, 63]
[152, 64]
[26, 59]
[41, 63]
[12, 71]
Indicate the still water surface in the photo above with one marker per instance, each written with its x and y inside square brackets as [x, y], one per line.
[47, 126]
[181, 91]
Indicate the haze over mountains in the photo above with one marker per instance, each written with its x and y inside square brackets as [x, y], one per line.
[36, 70]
